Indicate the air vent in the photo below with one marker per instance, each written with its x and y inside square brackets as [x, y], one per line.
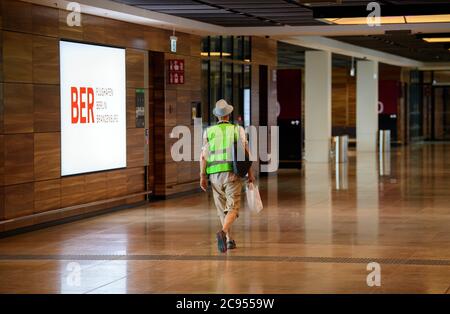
[398, 32]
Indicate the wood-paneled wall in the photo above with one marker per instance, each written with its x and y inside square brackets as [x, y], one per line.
[264, 52]
[174, 109]
[30, 181]
[343, 99]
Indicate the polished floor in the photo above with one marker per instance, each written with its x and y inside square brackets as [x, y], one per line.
[320, 229]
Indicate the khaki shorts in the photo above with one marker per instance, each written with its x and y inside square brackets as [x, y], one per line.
[227, 189]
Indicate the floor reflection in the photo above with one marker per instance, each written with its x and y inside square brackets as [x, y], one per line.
[341, 175]
[384, 163]
[318, 210]
[318, 227]
[367, 196]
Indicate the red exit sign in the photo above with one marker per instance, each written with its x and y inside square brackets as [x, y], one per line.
[176, 71]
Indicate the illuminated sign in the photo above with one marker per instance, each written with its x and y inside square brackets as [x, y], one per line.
[93, 108]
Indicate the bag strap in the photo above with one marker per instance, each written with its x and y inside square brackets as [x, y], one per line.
[236, 133]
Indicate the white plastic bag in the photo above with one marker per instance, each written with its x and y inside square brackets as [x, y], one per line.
[253, 198]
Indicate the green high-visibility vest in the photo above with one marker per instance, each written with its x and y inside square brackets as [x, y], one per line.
[220, 137]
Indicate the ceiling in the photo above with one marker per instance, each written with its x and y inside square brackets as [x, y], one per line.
[260, 13]
[401, 44]
[290, 56]
[293, 57]
[246, 13]
[233, 12]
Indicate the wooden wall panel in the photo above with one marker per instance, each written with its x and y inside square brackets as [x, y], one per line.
[2, 160]
[17, 16]
[66, 31]
[29, 87]
[160, 148]
[2, 109]
[174, 177]
[47, 115]
[94, 29]
[339, 97]
[196, 95]
[116, 33]
[45, 60]
[116, 183]
[19, 200]
[183, 44]
[183, 108]
[45, 20]
[47, 195]
[17, 57]
[2, 204]
[18, 108]
[168, 116]
[135, 36]
[343, 99]
[1, 55]
[157, 40]
[135, 184]
[19, 158]
[73, 190]
[47, 156]
[135, 144]
[196, 43]
[96, 187]
[135, 180]
[195, 72]
[184, 173]
[264, 51]
[135, 68]
[171, 173]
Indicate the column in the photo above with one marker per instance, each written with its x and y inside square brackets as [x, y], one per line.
[317, 106]
[366, 106]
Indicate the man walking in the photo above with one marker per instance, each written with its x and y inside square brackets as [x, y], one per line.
[216, 161]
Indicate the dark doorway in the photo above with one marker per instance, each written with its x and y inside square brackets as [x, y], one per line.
[442, 112]
[263, 96]
[263, 101]
[289, 82]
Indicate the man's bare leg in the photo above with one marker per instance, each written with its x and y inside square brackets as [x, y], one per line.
[229, 219]
[222, 221]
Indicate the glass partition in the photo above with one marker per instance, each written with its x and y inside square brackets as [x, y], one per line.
[226, 74]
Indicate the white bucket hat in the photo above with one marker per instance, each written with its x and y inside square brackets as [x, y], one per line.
[222, 108]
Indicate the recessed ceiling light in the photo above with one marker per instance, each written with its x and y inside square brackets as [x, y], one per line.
[363, 20]
[395, 14]
[215, 54]
[437, 39]
[438, 18]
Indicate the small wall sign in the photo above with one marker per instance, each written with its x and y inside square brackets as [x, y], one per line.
[140, 108]
[176, 71]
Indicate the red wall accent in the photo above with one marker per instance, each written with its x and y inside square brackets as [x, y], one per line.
[389, 93]
[289, 92]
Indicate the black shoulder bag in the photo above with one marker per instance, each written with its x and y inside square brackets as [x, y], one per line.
[241, 158]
